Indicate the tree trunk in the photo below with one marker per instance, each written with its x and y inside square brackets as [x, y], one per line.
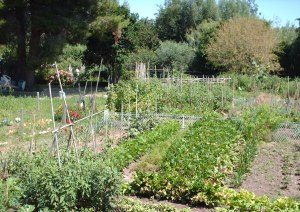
[33, 58]
[21, 49]
[33, 55]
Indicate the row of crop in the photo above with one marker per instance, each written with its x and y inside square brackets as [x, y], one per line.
[132, 149]
[155, 96]
[256, 126]
[197, 167]
[263, 82]
[134, 205]
[205, 154]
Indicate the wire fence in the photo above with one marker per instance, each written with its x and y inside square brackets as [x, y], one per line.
[286, 132]
[96, 131]
[286, 106]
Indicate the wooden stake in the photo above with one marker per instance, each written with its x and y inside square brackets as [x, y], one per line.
[21, 125]
[68, 114]
[38, 101]
[136, 102]
[55, 142]
[33, 137]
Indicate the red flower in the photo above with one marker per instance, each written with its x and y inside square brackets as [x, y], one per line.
[75, 115]
[69, 122]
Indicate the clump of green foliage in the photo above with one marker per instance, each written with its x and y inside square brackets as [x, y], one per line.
[130, 205]
[241, 43]
[175, 56]
[89, 183]
[131, 150]
[154, 96]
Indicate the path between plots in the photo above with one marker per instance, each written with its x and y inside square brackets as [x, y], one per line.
[276, 169]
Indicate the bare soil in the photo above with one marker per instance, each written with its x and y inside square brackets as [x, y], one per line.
[274, 172]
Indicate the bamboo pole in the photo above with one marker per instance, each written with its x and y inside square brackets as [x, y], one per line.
[136, 102]
[94, 109]
[68, 114]
[33, 136]
[54, 127]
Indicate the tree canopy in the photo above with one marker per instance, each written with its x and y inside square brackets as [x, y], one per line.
[241, 44]
[201, 36]
[40, 28]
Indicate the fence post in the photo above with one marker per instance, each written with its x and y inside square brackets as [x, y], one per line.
[183, 122]
[156, 105]
[181, 82]
[136, 102]
[222, 96]
[33, 141]
[21, 125]
[105, 119]
[122, 111]
[67, 111]
[38, 100]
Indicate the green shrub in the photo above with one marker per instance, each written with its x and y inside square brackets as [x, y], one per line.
[175, 56]
[71, 55]
[242, 42]
[10, 194]
[89, 183]
[2, 207]
[141, 56]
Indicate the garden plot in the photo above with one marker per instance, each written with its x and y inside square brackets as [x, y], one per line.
[276, 168]
[28, 120]
[168, 155]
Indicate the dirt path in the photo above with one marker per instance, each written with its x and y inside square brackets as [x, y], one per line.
[276, 169]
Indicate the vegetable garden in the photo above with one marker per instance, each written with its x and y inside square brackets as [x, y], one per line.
[187, 143]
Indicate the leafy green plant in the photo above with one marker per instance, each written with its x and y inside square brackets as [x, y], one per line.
[89, 183]
[154, 96]
[209, 145]
[132, 149]
[140, 124]
[10, 193]
[212, 154]
[130, 205]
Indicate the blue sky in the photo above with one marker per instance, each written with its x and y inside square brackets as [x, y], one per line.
[281, 11]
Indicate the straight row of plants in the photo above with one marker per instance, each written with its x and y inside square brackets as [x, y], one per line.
[155, 96]
[132, 149]
[212, 154]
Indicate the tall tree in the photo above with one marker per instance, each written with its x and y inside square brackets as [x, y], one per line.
[244, 45]
[31, 24]
[200, 38]
[105, 40]
[141, 34]
[178, 17]
[231, 8]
